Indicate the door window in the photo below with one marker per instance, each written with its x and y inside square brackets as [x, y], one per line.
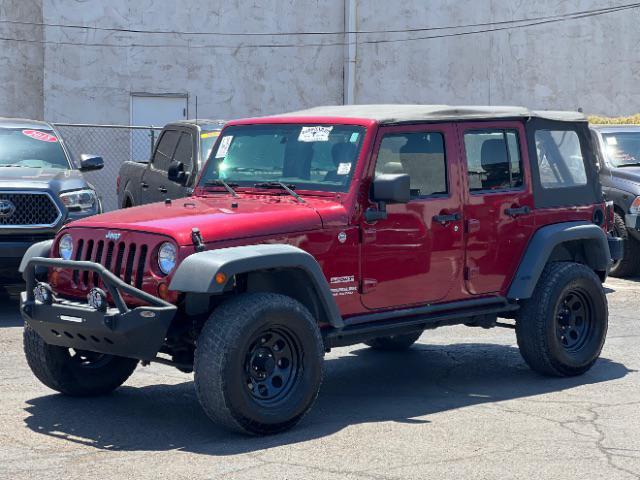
[421, 155]
[560, 160]
[184, 151]
[166, 147]
[493, 160]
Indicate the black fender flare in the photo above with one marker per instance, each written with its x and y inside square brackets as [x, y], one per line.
[197, 272]
[542, 245]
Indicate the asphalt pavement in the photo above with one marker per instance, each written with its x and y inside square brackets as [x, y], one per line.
[460, 404]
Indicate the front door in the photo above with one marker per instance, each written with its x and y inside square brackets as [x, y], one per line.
[498, 203]
[415, 255]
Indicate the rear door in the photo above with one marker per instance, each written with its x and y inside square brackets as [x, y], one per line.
[498, 203]
[415, 255]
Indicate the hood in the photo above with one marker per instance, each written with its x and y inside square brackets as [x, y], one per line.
[54, 179]
[627, 178]
[218, 219]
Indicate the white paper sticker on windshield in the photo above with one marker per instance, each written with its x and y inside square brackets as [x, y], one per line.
[314, 134]
[225, 143]
[354, 137]
[612, 141]
[344, 168]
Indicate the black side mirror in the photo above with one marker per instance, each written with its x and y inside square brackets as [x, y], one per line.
[177, 174]
[388, 188]
[90, 163]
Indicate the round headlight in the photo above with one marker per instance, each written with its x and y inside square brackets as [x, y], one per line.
[167, 257]
[65, 247]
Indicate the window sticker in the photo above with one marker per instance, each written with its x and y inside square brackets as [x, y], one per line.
[344, 168]
[612, 141]
[42, 136]
[225, 143]
[315, 134]
[209, 135]
[354, 137]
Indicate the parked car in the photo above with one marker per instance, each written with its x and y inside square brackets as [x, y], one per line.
[330, 227]
[41, 188]
[619, 164]
[181, 150]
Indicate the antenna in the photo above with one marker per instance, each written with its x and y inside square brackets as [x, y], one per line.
[196, 109]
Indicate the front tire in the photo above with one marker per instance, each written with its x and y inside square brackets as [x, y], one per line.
[630, 263]
[394, 342]
[75, 372]
[561, 329]
[258, 363]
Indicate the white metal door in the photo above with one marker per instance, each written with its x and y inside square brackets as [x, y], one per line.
[153, 110]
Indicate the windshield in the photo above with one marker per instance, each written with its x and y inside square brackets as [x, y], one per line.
[207, 141]
[307, 157]
[622, 148]
[31, 148]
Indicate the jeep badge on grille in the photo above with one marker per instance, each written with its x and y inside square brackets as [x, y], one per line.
[113, 236]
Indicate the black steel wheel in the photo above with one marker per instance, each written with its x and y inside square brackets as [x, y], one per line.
[272, 365]
[258, 363]
[574, 318]
[561, 329]
[75, 372]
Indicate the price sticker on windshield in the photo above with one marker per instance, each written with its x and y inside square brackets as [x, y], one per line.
[225, 143]
[42, 136]
[315, 134]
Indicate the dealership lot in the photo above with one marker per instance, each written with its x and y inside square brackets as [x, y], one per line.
[460, 404]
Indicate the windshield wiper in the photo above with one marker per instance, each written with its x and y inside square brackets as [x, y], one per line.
[218, 182]
[283, 186]
[631, 164]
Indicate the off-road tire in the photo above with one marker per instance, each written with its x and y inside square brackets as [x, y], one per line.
[225, 363]
[630, 263]
[59, 370]
[543, 321]
[394, 342]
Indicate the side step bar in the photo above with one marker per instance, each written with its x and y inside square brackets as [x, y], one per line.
[398, 322]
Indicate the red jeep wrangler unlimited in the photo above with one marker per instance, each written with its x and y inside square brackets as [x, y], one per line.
[324, 228]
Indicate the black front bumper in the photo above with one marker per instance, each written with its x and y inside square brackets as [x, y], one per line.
[136, 333]
[12, 250]
[616, 248]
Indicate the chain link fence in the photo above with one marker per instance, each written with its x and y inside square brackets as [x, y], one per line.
[115, 144]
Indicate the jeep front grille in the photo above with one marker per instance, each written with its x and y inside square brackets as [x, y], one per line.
[28, 210]
[127, 260]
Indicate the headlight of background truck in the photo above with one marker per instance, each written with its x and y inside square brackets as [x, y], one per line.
[80, 201]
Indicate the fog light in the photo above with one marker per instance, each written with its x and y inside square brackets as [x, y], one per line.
[97, 299]
[43, 294]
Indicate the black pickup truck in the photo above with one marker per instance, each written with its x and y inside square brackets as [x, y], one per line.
[41, 188]
[181, 150]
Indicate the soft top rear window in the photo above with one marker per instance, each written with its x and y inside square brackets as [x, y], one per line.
[560, 160]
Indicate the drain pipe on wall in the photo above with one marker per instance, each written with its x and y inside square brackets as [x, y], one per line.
[350, 51]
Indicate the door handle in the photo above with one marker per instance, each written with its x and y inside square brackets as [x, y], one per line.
[144, 185]
[517, 211]
[162, 189]
[446, 218]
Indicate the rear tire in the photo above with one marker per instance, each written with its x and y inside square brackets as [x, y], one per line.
[630, 263]
[75, 372]
[258, 363]
[394, 342]
[561, 329]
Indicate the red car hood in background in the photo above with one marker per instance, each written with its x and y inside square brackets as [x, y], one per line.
[254, 216]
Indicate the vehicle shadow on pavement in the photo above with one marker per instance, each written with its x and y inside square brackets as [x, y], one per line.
[9, 306]
[361, 387]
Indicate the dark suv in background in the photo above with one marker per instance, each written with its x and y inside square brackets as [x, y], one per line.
[41, 188]
[619, 162]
